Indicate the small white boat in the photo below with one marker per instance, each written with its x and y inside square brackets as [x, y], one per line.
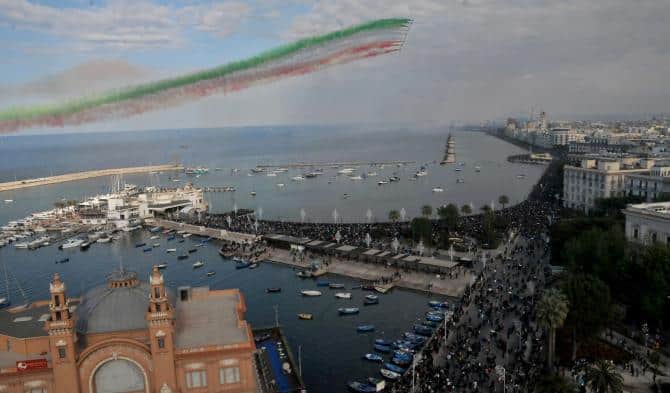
[372, 174]
[343, 295]
[271, 174]
[355, 178]
[346, 171]
[280, 185]
[162, 265]
[9, 200]
[104, 239]
[252, 193]
[382, 182]
[186, 235]
[156, 245]
[171, 250]
[460, 180]
[198, 264]
[176, 180]
[154, 237]
[22, 245]
[438, 189]
[310, 293]
[458, 169]
[478, 168]
[421, 174]
[72, 243]
[297, 178]
[520, 176]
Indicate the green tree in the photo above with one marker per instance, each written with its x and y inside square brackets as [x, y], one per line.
[466, 209]
[485, 208]
[602, 377]
[503, 200]
[551, 311]
[652, 275]
[554, 383]
[590, 307]
[426, 210]
[394, 215]
[449, 214]
[422, 229]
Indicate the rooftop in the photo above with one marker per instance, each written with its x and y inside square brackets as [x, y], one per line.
[659, 209]
[27, 322]
[210, 318]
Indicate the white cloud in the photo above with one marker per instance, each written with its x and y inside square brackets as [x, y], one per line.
[123, 24]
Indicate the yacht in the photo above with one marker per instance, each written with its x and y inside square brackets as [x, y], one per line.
[198, 264]
[343, 295]
[297, 178]
[252, 193]
[355, 178]
[382, 182]
[280, 185]
[346, 171]
[372, 174]
[72, 243]
[421, 174]
[310, 293]
[438, 189]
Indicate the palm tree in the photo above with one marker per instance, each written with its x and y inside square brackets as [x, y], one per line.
[485, 208]
[555, 384]
[551, 311]
[394, 215]
[503, 200]
[426, 210]
[466, 209]
[602, 377]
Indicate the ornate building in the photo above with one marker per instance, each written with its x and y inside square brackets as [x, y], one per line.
[128, 336]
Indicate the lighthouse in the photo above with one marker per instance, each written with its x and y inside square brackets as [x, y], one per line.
[450, 152]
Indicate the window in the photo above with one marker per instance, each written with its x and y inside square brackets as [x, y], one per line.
[229, 375]
[157, 292]
[161, 342]
[635, 233]
[58, 317]
[61, 352]
[57, 301]
[158, 307]
[196, 379]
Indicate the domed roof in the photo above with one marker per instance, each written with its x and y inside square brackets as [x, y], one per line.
[120, 305]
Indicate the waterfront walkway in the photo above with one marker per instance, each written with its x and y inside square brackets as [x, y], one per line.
[43, 181]
[222, 234]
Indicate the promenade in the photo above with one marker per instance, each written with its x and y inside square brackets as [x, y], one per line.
[43, 181]
[222, 234]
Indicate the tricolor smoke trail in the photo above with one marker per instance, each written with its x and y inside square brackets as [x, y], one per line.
[305, 56]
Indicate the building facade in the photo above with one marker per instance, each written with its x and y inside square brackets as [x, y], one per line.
[649, 185]
[129, 336]
[598, 178]
[648, 223]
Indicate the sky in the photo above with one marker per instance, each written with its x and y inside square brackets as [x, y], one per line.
[464, 60]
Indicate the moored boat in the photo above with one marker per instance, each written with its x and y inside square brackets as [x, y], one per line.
[273, 290]
[162, 266]
[310, 293]
[343, 295]
[361, 387]
[388, 374]
[365, 328]
[348, 310]
[373, 357]
[305, 316]
[198, 264]
[335, 285]
[169, 250]
[182, 256]
[242, 264]
[382, 348]
[211, 273]
[394, 367]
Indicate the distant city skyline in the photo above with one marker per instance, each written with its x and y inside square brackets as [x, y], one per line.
[467, 60]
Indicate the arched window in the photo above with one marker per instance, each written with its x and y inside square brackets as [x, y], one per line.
[119, 376]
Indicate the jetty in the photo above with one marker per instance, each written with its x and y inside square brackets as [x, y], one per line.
[334, 164]
[222, 234]
[43, 181]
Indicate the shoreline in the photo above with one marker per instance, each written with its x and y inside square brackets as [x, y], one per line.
[75, 176]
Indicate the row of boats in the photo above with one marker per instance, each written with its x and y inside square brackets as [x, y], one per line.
[401, 351]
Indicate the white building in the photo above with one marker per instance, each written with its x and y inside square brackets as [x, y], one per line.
[598, 178]
[649, 185]
[648, 222]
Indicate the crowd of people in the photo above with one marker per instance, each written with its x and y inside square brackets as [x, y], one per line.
[491, 342]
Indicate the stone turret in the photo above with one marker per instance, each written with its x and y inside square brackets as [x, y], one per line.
[62, 339]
